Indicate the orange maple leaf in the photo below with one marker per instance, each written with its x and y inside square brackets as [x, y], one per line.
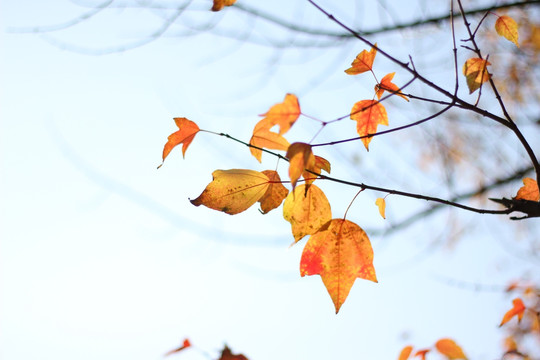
[450, 349]
[387, 84]
[184, 345]
[422, 353]
[264, 138]
[507, 28]
[220, 4]
[518, 309]
[476, 73]
[300, 158]
[405, 352]
[368, 115]
[283, 114]
[381, 204]
[233, 191]
[186, 134]
[226, 354]
[340, 252]
[275, 194]
[529, 190]
[363, 62]
[307, 209]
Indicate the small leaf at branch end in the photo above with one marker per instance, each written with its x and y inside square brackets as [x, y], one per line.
[283, 114]
[307, 209]
[368, 114]
[518, 309]
[226, 354]
[300, 158]
[340, 252]
[185, 345]
[275, 194]
[529, 191]
[422, 353]
[363, 62]
[507, 28]
[475, 70]
[186, 134]
[233, 191]
[450, 349]
[387, 84]
[264, 138]
[405, 352]
[381, 203]
[220, 4]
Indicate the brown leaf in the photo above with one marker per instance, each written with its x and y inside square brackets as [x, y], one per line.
[226, 354]
[220, 4]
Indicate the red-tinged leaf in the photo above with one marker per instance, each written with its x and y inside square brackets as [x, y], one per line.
[476, 73]
[283, 114]
[363, 62]
[185, 345]
[422, 353]
[381, 204]
[264, 138]
[233, 191]
[518, 309]
[529, 190]
[340, 252]
[368, 115]
[450, 349]
[186, 134]
[507, 28]
[226, 354]
[300, 158]
[275, 194]
[405, 353]
[307, 209]
[387, 84]
[220, 4]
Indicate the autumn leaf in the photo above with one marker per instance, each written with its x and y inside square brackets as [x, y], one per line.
[320, 164]
[233, 191]
[475, 70]
[518, 309]
[220, 4]
[186, 134]
[368, 115]
[226, 354]
[339, 253]
[307, 210]
[300, 158]
[381, 203]
[405, 353]
[264, 138]
[275, 194]
[387, 84]
[422, 353]
[450, 349]
[363, 62]
[529, 191]
[283, 114]
[184, 345]
[507, 28]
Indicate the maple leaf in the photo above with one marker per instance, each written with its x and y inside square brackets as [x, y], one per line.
[381, 203]
[233, 191]
[307, 209]
[300, 158]
[186, 134]
[220, 4]
[340, 252]
[226, 354]
[363, 62]
[405, 352]
[274, 195]
[368, 115]
[450, 349]
[387, 84]
[283, 114]
[507, 28]
[184, 345]
[264, 138]
[320, 164]
[529, 190]
[518, 309]
[475, 71]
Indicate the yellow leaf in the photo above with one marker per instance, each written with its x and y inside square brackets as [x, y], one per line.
[450, 349]
[507, 28]
[275, 194]
[475, 70]
[300, 158]
[363, 62]
[220, 4]
[307, 209]
[264, 138]
[381, 203]
[368, 115]
[529, 191]
[340, 252]
[233, 191]
[283, 114]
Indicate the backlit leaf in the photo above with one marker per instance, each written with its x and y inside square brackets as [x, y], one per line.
[300, 158]
[518, 309]
[422, 353]
[186, 134]
[387, 84]
[508, 28]
[283, 114]
[320, 164]
[340, 252]
[363, 62]
[233, 191]
[184, 345]
[368, 115]
[220, 4]
[405, 353]
[264, 138]
[381, 203]
[307, 210]
[529, 191]
[450, 349]
[275, 194]
[475, 70]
